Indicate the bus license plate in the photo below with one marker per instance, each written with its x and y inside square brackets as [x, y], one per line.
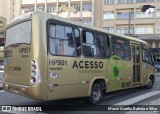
[15, 91]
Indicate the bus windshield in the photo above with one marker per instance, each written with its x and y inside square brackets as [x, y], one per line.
[18, 34]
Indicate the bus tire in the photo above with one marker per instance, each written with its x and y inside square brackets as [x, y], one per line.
[150, 83]
[96, 93]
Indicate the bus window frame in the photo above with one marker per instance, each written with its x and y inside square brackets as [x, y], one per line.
[54, 21]
[121, 38]
[21, 21]
[96, 32]
[149, 52]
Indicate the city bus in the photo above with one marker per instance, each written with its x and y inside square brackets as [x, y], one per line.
[49, 58]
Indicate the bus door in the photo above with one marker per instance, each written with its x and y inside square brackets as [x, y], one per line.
[136, 64]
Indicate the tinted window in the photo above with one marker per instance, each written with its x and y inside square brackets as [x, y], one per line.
[20, 33]
[95, 45]
[64, 40]
[121, 48]
[147, 56]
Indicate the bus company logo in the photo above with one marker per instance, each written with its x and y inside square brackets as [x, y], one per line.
[115, 68]
[87, 64]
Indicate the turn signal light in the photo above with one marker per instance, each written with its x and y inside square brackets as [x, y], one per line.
[33, 80]
[35, 75]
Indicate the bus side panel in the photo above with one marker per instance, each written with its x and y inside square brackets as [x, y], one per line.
[68, 76]
[64, 78]
[125, 80]
[120, 79]
[145, 74]
[148, 69]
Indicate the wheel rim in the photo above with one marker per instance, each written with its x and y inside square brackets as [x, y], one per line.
[150, 83]
[96, 94]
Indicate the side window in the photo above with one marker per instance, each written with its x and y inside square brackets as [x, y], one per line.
[147, 56]
[138, 54]
[133, 53]
[64, 40]
[121, 48]
[95, 45]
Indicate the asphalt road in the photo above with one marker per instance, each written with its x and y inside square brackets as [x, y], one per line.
[137, 96]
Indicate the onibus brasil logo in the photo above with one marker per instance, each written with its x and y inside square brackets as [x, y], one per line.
[115, 68]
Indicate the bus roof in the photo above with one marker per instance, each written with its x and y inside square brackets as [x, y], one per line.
[39, 13]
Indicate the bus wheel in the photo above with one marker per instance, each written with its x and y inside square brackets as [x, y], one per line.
[150, 83]
[96, 93]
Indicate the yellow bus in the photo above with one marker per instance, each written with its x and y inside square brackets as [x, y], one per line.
[49, 58]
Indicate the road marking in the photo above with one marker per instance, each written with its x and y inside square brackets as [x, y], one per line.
[118, 93]
[2, 91]
[138, 98]
[1, 71]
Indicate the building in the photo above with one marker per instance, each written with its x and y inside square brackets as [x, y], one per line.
[125, 17]
[121, 16]
[3, 22]
[77, 10]
[2, 26]
[10, 9]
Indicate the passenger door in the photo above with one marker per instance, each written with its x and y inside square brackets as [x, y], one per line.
[136, 56]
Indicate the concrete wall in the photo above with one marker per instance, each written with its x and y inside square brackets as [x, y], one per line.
[10, 9]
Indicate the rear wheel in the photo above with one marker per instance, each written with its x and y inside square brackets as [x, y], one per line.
[96, 93]
[150, 83]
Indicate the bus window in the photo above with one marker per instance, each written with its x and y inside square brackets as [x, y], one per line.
[147, 56]
[64, 40]
[19, 34]
[95, 45]
[121, 48]
[138, 55]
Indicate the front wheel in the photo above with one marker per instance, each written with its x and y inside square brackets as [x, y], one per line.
[96, 93]
[150, 83]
